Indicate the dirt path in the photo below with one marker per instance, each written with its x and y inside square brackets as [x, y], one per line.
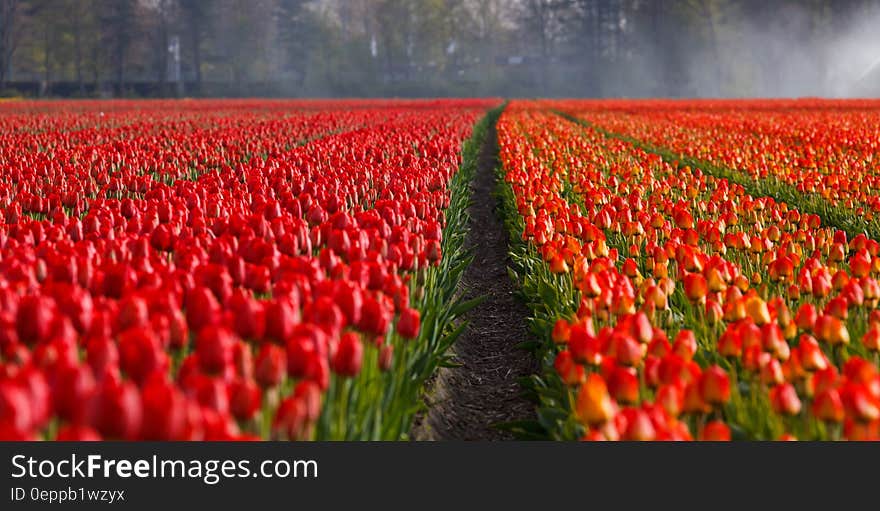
[467, 401]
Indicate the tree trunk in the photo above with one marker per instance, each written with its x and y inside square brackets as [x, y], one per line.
[197, 52]
[47, 59]
[77, 52]
[8, 12]
[708, 15]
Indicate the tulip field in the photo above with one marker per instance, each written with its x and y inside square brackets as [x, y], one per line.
[702, 270]
[291, 270]
[227, 270]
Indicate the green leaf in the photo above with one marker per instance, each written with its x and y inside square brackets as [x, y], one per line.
[462, 307]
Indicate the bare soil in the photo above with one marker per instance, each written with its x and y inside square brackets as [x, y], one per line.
[465, 402]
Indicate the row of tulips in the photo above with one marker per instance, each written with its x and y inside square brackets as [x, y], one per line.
[70, 169]
[673, 304]
[266, 287]
[818, 154]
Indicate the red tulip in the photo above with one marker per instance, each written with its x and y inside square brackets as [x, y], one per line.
[33, 322]
[349, 355]
[271, 365]
[73, 385]
[214, 347]
[164, 410]
[15, 408]
[409, 323]
[244, 399]
[249, 317]
[282, 315]
[202, 309]
[386, 357]
[115, 410]
[623, 385]
[375, 317]
[140, 354]
[75, 433]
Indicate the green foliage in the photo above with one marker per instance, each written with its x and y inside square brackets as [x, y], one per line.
[381, 405]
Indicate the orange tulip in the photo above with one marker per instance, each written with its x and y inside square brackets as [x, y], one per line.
[827, 406]
[571, 373]
[858, 403]
[715, 431]
[806, 316]
[561, 331]
[715, 386]
[695, 287]
[871, 339]
[693, 400]
[811, 356]
[685, 344]
[594, 405]
[784, 399]
[756, 308]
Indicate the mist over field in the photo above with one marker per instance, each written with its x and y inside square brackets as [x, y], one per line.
[410, 48]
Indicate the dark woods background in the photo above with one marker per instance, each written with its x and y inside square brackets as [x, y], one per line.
[676, 48]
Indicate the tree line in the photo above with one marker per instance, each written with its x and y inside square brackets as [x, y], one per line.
[437, 47]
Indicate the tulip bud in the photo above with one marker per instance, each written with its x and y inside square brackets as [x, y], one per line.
[291, 422]
[714, 312]
[594, 405]
[585, 349]
[757, 310]
[871, 339]
[685, 344]
[715, 431]
[639, 427]
[784, 399]
[671, 398]
[571, 373]
[202, 308]
[214, 347]
[623, 384]
[831, 330]
[140, 354]
[33, 321]
[695, 287]
[244, 399]
[715, 386]
[282, 315]
[629, 352]
[386, 357]
[75, 433]
[409, 323]
[811, 356]
[165, 410]
[249, 317]
[271, 365]
[642, 329]
[827, 406]
[15, 408]
[349, 355]
[561, 331]
[115, 410]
